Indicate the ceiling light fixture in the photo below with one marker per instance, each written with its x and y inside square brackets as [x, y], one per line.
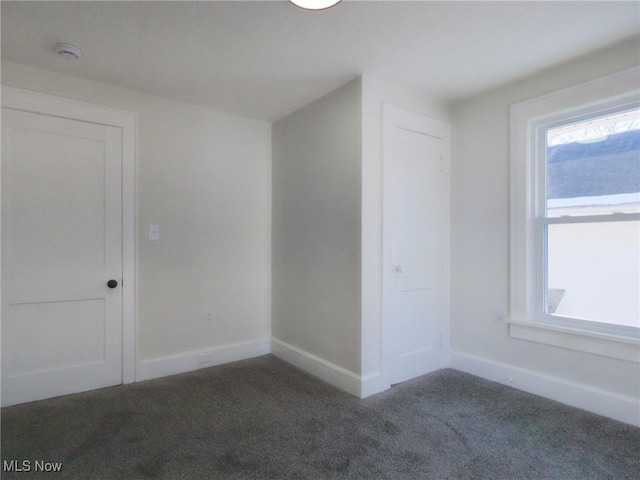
[68, 51]
[315, 4]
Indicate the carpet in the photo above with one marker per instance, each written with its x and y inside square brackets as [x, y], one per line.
[264, 419]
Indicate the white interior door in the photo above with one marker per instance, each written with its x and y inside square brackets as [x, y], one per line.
[414, 251]
[61, 244]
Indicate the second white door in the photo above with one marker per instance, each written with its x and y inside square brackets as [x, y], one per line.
[414, 245]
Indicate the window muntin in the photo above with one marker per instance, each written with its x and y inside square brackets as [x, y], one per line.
[587, 221]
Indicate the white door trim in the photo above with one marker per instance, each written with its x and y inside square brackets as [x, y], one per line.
[28, 101]
[398, 117]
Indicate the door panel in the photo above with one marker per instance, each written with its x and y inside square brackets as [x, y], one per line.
[413, 239]
[416, 208]
[70, 331]
[61, 243]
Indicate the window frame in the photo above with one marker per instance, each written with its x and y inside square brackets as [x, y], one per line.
[529, 121]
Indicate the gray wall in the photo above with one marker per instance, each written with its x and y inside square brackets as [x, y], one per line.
[316, 215]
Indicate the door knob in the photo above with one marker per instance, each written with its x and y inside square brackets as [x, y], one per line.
[398, 270]
[112, 283]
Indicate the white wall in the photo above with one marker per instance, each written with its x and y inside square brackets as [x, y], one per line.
[205, 178]
[316, 234]
[480, 252]
[375, 93]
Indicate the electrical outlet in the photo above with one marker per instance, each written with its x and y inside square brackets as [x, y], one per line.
[154, 232]
[208, 316]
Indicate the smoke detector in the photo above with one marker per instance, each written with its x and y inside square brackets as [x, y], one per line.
[68, 51]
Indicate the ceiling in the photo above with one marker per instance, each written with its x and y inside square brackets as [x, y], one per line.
[265, 59]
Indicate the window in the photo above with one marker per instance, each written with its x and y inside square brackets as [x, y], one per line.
[575, 217]
[588, 218]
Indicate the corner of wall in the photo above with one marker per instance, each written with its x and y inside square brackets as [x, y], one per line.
[318, 367]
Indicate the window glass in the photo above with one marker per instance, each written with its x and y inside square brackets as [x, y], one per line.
[592, 265]
[593, 167]
[593, 271]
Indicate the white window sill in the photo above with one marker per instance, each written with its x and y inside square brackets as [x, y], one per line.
[620, 347]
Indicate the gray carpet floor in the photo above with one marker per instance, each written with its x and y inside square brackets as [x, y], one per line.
[264, 419]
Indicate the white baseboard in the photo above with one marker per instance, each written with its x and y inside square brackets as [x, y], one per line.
[186, 362]
[318, 367]
[618, 407]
